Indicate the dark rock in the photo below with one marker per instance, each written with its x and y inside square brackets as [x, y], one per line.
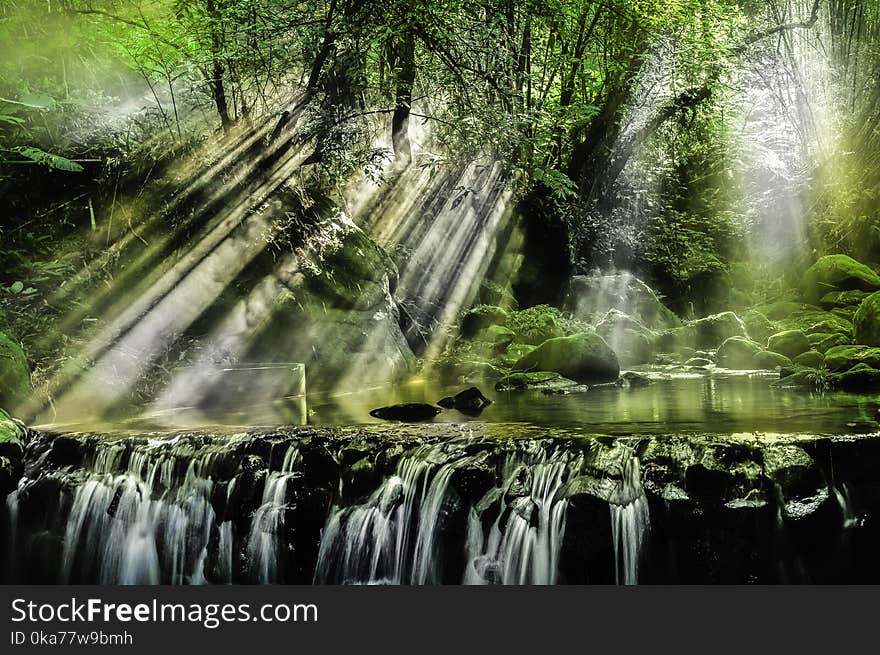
[860, 377]
[633, 380]
[470, 401]
[406, 412]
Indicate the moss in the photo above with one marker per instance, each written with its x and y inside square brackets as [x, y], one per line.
[758, 326]
[12, 435]
[790, 343]
[539, 380]
[843, 358]
[836, 299]
[15, 381]
[771, 361]
[811, 358]
[866, 322]
[711, 331]
[581, 357]
[837, 273]
[535, 325]
[481, 317]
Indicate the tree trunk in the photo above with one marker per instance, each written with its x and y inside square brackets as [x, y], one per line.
[406, 75]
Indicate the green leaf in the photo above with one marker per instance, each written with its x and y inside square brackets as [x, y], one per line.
[17, 287]
[12, 120]
[48, 159]
[37, 101]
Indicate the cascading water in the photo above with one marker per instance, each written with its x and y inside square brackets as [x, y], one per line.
[525, 548]
[263, 539]
[630, 519]
[195, 509]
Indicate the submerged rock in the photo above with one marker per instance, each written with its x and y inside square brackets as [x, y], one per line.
[406, 412]
[866, 322]
[583, 357]
[790, 343]
[837, 273]
[469, 401]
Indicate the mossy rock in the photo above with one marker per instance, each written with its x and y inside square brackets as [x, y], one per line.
[860, 378]
[537, 381]
[712, 331]
[811, 321]
[759, 326]
[790, 343]
[848, 314]
[513, 354]
[837, 299]
[498, 335]
[837, 273]
[866, 323]
[806, 378]
[15, 377]
[12, 436]
[782, 309]
[829, 341]
[771, 361]
[738, 353]
[481, 317]
[811, 358]
[535, 325]
[583, 357]
[843, 358]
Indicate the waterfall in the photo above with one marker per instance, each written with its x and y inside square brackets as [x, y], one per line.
[629, 522]
[525, 550]
[372, 543]
[263, 545]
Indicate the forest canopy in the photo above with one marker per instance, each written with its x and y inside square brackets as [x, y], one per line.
[671, 137]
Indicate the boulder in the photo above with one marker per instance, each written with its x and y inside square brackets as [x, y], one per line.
[837, 273]
[836, 299]
[866, 322]
[481, 317]
[498, 335]
[790, 343]
[843, 358]
[758, 326]
[633, 380]
[12, 436]
[829, 341]
[860, 378]
[470, 401]
[738, 353]
[513, 353]
[537, 381]
[406, 412]
[627, 336]
[811, 359]
[15, 377]
[712, 331]
[771, 361]
[589, 297]
[583, 357]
